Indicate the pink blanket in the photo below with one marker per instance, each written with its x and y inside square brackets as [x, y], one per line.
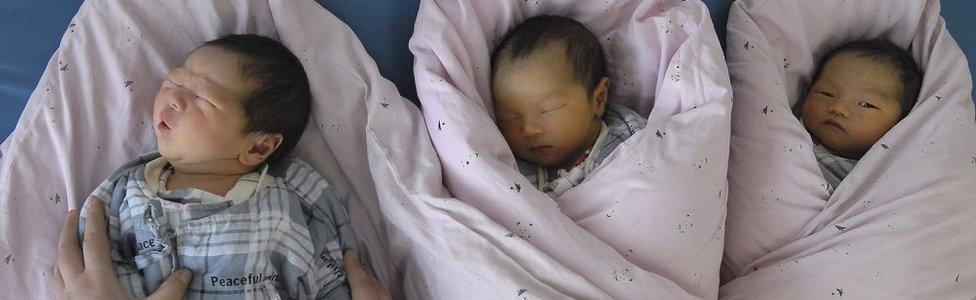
[903, 222]
[91, 112]
[648, 223]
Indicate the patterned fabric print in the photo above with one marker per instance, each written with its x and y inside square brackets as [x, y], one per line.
[834, 168]
[287, 241]
[620, 123]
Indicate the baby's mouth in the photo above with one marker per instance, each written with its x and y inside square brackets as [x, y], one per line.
[162, 126]
[537, 149]
[831, 122]
[166, 123]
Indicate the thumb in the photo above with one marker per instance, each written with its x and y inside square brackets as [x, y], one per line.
[362, 285]
[357, 276]
[173, 287]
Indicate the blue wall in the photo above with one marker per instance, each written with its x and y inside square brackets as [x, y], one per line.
[30, 31]
[960, 16]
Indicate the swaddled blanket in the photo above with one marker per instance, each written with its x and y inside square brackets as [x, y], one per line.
[286, 240]
[646, 223]
[902, 224]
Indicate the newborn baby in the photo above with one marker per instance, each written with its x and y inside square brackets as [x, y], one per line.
[220, 198]
[860, 91]
[550, 86]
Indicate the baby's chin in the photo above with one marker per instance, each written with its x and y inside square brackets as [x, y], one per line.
[842, 150]
[164, 151]
[547, 162]
[167, 149]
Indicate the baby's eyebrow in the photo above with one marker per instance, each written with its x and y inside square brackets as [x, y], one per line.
[880, 94]
[827, 81]
[203, 87]
[547, 95]
[552, 104]
[193, 77]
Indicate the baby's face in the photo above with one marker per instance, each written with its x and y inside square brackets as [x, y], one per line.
[198, 114]
[852, 105]
[544, 114]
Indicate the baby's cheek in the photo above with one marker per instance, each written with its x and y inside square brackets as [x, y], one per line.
[202, 131]
[865, 136]
[879, 132]
[807, 118]
[508, 134]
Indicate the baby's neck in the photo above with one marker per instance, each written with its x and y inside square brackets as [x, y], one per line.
[854, 156]
[216, 184]
[217, 180]
[579, 160]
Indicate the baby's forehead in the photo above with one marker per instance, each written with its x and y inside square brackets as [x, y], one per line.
[876, 69]
[863, 61]
[216, 59]
[218, 69]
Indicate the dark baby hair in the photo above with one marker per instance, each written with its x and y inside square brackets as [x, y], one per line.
[886, 52]
[583, 49]
[281, 98]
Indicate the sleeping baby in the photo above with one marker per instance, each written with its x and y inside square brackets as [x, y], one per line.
[550, 86]
[220, 198]
[860, 91]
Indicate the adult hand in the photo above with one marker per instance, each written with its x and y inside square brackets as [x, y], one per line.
[87, 273]
[363, 286]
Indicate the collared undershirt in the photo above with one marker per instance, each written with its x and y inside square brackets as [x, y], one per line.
[567, 179]
[833, 167]
[159, 171]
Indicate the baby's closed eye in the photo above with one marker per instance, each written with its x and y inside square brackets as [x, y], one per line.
[506, 118]
[204, 100]
[552, 108]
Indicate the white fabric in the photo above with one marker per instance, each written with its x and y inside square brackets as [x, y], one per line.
[91, 112]
[157, 175]
[649, 221]
[902, 224]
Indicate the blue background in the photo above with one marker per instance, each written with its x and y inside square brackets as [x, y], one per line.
[30, 31]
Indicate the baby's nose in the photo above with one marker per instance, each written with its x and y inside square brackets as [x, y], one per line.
[178, 98]
[838, 108]
[532, 129]
[175, 103]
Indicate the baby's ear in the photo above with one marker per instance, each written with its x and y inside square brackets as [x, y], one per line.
[600, 94]
[262, 146]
